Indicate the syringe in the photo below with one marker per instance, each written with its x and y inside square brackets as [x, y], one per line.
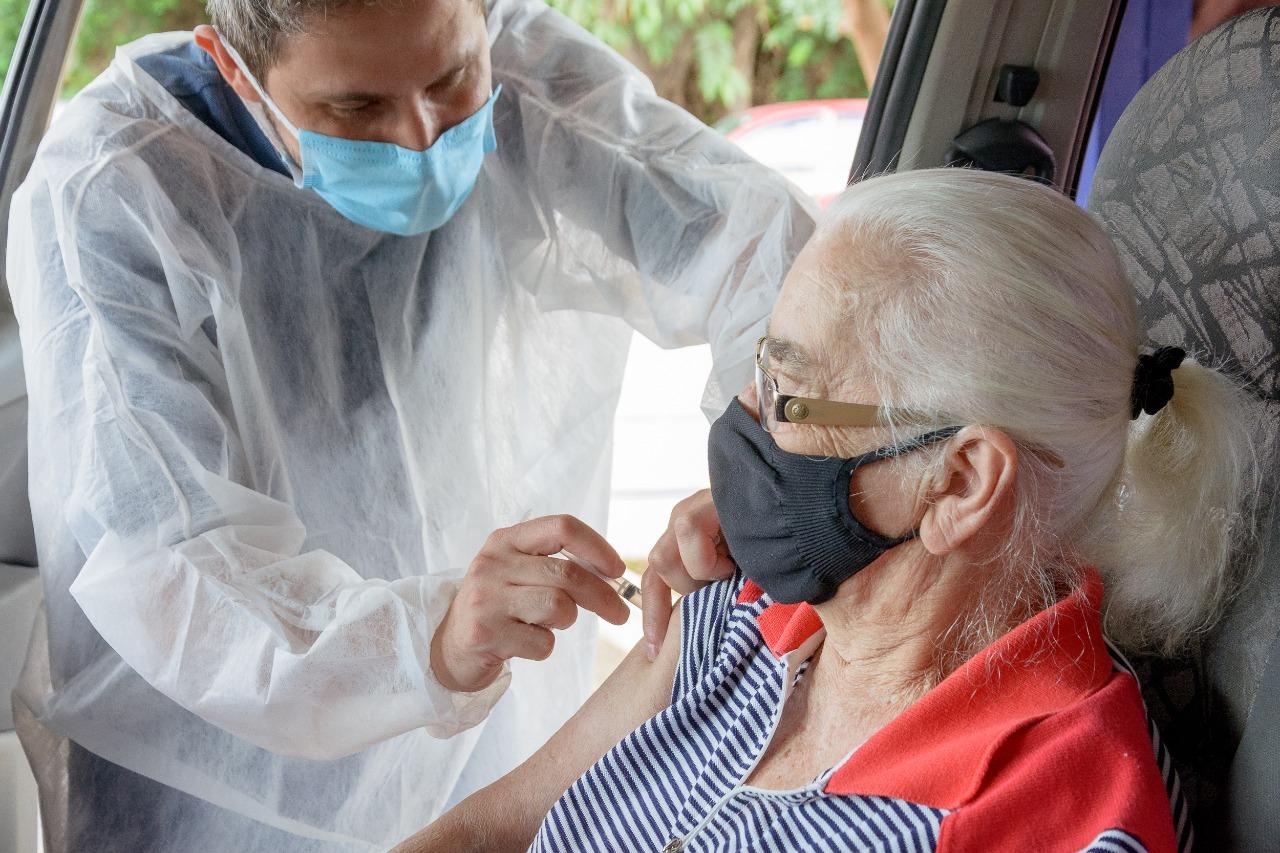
[630, 592]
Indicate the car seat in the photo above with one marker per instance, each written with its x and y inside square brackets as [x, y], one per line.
[1188, 185]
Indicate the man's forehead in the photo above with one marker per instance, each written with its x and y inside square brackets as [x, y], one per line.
[336, 86]
[377, 48]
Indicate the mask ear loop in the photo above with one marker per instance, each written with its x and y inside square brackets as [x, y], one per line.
[845, 478]
[257, 87]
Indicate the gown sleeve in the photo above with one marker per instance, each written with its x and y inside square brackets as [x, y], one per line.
[652, 216]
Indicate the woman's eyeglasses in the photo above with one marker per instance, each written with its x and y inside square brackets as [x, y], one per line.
[776, 408]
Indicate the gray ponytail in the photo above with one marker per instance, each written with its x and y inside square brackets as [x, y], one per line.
[1181, 505]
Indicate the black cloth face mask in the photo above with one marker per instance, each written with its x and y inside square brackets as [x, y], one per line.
[785, 516]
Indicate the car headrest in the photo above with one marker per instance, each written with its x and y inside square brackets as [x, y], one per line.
[1188, 186]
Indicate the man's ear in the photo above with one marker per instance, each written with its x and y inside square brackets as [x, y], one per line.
[211, 43]
[978, 476]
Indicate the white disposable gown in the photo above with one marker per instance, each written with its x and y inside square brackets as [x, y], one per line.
[266, 442]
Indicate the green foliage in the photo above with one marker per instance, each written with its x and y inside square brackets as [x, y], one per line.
[104, 25]
[11, 14]
[796, 49]
[717, 78]
[709, 55]
[819, 62]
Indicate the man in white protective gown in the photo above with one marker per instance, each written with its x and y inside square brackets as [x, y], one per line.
[324, 312]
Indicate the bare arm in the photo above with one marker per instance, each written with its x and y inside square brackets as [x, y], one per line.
[506, 815]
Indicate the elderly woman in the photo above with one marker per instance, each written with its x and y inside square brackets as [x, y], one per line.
[952, 447]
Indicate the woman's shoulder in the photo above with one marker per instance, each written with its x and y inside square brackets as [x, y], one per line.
[1086, 770]
[709, 617]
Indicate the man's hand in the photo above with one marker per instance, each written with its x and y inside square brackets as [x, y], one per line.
[514, 595]
[691, 554]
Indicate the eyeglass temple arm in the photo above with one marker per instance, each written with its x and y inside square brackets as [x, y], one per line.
[806, 410]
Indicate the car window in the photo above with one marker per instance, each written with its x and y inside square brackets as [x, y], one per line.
[12, 13]
[732, 62]
[107, 24]
[814, 153]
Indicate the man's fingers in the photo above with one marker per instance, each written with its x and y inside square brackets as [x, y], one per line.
[701, 509]
[657, 607]
[586, 589]
[665, 561]
[518, 640]
[554, 533]
[698, 541]
[543, 605]
[665, 554]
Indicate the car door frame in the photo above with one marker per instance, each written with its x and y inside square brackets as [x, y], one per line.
[896, 98]
[27, 100]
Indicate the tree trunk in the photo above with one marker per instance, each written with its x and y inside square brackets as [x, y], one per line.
[671, 77]
[746, 43]
[866, 24]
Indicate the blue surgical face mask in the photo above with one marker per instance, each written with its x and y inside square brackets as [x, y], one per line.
[786, 516]
[383, 186]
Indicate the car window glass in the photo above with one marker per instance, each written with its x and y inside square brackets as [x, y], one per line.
[12, 13]
[814, 153]
[731, 62]
[107, 24]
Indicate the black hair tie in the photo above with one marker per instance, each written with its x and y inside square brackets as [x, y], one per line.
[1153, 380]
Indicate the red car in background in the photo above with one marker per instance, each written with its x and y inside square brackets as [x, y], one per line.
[810, 142]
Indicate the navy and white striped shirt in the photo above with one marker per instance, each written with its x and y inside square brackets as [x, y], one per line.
[980, 763]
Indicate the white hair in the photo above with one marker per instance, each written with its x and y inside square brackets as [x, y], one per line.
[1001, 303]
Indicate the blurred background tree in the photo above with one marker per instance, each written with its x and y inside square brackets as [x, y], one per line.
[713, 57]
[720, 56]
[104, 24]
[11, 13]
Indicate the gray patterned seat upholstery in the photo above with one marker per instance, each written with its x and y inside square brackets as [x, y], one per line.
[1189, 187]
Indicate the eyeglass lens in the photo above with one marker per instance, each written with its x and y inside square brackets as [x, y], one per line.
[766, 391]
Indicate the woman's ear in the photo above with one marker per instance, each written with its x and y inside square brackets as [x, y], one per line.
[978, 474]
[211, 43]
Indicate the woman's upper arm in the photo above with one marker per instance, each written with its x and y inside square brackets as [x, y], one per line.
[506, 815]
[637, 689]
